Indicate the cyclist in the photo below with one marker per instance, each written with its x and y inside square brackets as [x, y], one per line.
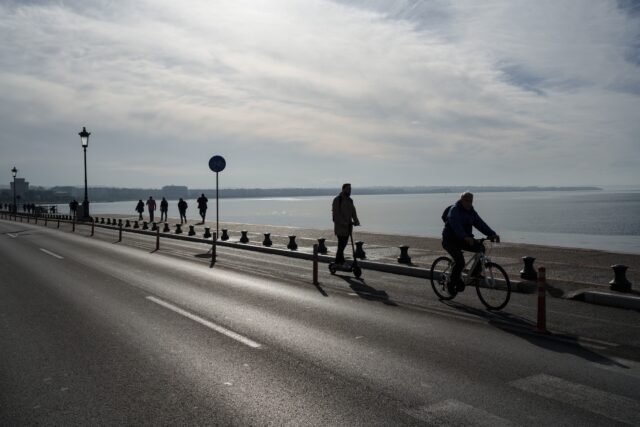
[457, 236]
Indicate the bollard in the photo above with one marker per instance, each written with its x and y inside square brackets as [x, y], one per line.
[128, 224]
[620, 282]
[58, 222]
[542, 302]
[120, 232]
[119, 223]
[154, 226]
[178, 229]
[136, 225]
[528, 272]
[322, 249]
[166, 228]
[73, 224]
[36, 218]
[192, 230]
[213, 249]
[207, 232]
[145, 226]
[101, 220]
[315, 264]
[108, 221]
[360, 254]
[267, 240]
[45, 221]
[158, 238]
[292, 243]
[93, 226]
[225, 235]
[404, 257]
[244, 238]
[28, 219]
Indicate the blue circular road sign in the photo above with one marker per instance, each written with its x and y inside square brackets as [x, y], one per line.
[217, 163]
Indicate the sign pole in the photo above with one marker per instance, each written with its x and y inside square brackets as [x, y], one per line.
[217, 210]
[217, 164]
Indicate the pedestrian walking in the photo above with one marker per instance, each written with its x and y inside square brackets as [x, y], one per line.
[73, 207]
[164, 208]
[182, 208]
[140, 209]
[151, 206]
[202, 206]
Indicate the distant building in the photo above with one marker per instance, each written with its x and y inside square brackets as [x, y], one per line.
[22, 187]
[174, 192]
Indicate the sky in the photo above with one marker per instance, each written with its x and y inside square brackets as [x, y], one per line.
[315, 93]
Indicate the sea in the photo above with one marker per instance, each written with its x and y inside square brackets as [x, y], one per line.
[607, 219]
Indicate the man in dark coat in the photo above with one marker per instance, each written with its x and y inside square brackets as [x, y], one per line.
[344, 218]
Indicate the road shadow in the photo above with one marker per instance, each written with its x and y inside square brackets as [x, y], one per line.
[364, 291]
[527, 329]
[206, 256]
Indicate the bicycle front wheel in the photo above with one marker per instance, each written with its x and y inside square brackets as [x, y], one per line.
[494, 288]
[441, 276]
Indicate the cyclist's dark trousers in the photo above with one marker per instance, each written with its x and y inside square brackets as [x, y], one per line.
[455, 249]
[342, 243]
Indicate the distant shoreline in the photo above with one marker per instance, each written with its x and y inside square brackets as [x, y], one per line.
[114, 194]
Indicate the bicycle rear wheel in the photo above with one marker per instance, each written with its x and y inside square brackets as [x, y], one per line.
[441, 276]
[494, 289]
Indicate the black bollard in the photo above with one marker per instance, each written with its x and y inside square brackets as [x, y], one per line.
[404, 257]
[128, 224]
[207, 232]
[120, 223]
[225, 235]
[136, 224]
[292, 243]
[166, 228]
[108, 221]
[192, 230]
[359, 251]
[620, 282]
[244, 238]
[154, 226]
[528, 272]
[101, 220]
[267, 240]
[178, 229]
[145, 226]
[322, 248]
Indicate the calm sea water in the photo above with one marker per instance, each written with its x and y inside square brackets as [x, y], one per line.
[608, 219]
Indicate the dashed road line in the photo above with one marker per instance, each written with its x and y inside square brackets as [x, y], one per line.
[220, 329]
[452, 412]
[613, 406]
[51, 253]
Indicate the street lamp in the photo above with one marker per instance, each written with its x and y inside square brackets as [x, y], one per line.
[14, 172]
[84, 138]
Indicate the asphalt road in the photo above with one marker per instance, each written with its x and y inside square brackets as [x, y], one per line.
[104, 333]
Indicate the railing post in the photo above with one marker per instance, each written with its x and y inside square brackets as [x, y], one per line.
[542, 302]
[213, 249]
[315, 264]
[93, 226]
[157, 238]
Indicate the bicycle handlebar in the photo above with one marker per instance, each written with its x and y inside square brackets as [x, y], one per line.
[495, 239]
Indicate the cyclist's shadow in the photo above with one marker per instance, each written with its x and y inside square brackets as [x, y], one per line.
[360, 287]
[526, 329]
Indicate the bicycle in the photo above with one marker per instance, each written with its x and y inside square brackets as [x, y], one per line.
[492, 283]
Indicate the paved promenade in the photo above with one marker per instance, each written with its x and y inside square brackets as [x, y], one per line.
[569, 270]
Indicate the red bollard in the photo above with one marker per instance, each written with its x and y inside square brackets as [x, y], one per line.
[93, 226]
[315, 264]
[213, 249]
[157, 238]
[542, 301]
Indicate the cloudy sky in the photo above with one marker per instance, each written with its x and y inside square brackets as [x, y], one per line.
[316, 92]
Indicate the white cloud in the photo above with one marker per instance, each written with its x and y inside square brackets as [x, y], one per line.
[386, 91]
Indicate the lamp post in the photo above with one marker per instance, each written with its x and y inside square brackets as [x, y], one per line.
[84, 138]
[14, 172]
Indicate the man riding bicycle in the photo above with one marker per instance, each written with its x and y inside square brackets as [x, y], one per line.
[457, 236]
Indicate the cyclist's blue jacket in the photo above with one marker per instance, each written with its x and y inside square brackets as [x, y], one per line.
[459, 223]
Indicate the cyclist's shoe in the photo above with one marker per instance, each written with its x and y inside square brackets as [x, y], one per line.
[451, 288]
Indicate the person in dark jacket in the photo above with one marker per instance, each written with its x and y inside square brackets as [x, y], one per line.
[151, 205]
[344, 218]
[202, 206]
[457, 235]
[140, 209]
[182, 208]
[164, 208]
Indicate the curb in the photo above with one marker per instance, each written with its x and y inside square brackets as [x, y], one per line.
[611, 300]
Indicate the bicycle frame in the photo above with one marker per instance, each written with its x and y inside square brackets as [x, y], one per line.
[470, 265]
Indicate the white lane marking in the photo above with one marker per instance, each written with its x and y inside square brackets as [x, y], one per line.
[12, 235]
[207, 323]
[51, 253]
[610, 405]
[452, 412]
